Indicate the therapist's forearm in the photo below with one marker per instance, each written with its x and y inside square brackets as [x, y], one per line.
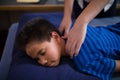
[117, 69]
[93, 9]
[68, 6]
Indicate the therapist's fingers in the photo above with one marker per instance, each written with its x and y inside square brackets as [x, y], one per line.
[64, 30]
[65, 27]
[70, 47]
[61, 28]
[73, 44]
[72, 50]
[77, 48]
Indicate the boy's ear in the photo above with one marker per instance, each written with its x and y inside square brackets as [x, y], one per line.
[56, 36]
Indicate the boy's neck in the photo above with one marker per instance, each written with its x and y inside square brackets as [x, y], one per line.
[63, 41]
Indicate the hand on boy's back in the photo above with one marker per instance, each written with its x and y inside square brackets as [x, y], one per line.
[75, 38]
[68, 54]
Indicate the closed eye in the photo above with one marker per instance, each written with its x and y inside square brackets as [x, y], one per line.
[41, 52]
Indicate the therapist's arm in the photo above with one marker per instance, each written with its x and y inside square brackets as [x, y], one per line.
[117, 69]
[92, 10]
[68, 6]
[79, 28]
[66, 21]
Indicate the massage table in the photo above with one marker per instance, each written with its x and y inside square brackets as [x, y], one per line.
[15, 65]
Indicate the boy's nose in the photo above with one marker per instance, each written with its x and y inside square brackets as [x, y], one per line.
[43, 61]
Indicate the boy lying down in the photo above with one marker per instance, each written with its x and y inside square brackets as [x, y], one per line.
[98, 56]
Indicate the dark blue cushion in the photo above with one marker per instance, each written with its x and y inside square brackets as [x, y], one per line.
[54, 18]
[24, 68]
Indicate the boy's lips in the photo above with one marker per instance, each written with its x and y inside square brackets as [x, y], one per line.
[51, 64]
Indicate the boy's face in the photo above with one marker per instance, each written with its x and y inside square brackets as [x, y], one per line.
[46, 53]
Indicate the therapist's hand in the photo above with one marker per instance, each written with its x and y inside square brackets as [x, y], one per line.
[65, 25]
[75, 38]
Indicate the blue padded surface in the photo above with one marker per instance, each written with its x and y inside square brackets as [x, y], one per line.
[7, 53]
[54, 18]
[105, 21]
[24, 68]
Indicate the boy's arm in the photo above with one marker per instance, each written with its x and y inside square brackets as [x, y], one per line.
[117, 69]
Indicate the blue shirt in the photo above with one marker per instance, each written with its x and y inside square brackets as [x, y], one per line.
[99, 51]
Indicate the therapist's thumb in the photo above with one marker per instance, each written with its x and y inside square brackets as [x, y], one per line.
[65, 36]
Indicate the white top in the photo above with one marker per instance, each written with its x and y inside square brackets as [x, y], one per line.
[107, 7]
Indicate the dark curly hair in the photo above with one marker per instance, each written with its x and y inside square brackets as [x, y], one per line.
[36, 29]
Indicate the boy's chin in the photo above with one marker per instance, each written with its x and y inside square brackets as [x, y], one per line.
[51, 65]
